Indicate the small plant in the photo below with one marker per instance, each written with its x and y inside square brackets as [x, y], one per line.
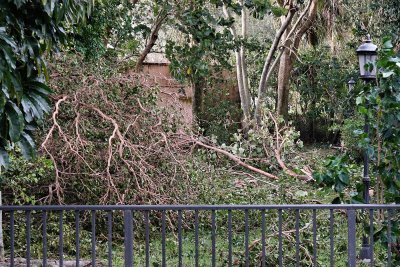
[337, 173]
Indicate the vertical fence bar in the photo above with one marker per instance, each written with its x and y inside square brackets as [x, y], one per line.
[314, 219]
[196, 238]
[128, 238]
[93, 238]
[28, 238]
[229, 238]
[180, 238]
[12, 241]
[77, 241]
[44, 237]
[331, 224]
[263, 238]
[280, 237]
[61, 239]
[371, 235]
[109, 238]
[246, 236]
[147, 236]
[389, 238]
[163, 247]
[297, 227]
[351, 228]
[213, 230]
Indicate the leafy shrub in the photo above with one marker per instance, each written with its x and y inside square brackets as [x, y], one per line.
[349, 137]
[23, 177]
[219, 118]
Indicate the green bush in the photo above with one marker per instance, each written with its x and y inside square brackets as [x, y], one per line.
[349, 137]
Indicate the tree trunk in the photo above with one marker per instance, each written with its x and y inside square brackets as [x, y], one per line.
[285, 69]
[246, 87]
[269, 64]
[152, 40]
[198, 92]
[241, 71]
[288, 58]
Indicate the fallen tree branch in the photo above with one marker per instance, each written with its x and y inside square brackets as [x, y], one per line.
[236, 159]
[278, 149]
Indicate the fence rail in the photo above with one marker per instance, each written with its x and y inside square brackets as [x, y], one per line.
[200, 235]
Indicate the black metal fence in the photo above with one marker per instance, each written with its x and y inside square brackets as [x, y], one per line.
[201, 235]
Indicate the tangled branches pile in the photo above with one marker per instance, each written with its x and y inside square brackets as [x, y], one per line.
[111, 142]
[109, 139]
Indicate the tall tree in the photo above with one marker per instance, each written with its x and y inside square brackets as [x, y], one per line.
[290, 49]
[240, 56]
[287, 40]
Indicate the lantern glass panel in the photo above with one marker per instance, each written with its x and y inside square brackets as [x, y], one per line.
[367, 65]
[362, 60]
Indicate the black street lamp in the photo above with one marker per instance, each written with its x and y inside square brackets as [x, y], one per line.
[367, 56]
[351, 84]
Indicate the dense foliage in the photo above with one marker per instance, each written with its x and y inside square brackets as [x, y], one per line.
[28, 31]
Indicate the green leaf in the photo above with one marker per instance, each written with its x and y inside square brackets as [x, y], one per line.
[388, 44]
[15, 121]
[4, 158]
[339, 186]
[27, 146]
[7, 39]
[344, 178]
[362, 110]
[29, 108]
[8, 55]
[387, 74]
[359, 100]
[42, 102]
[40, 87]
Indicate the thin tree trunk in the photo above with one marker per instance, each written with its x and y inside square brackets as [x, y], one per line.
[285, 68]
[243, 90]
[152, 40]
[198, 92]
[268, 61]
[246, 86]
[288, 58]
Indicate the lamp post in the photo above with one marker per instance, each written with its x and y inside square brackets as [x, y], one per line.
[351, 84]
[367, 56]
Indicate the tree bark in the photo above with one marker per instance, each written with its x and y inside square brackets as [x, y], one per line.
[152, 40]
[288, 58]
[245, 75]
[285, 68]
[237, 160]
[269, 61]
[197, 87]
[241, 72]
